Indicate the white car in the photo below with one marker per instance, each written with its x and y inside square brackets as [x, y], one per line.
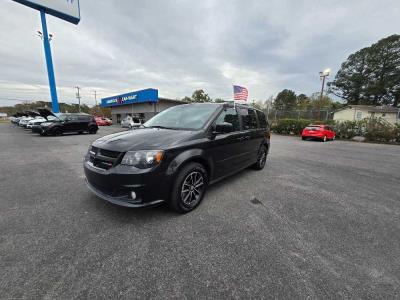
[35, 121]
[130, 122]
[24, 121]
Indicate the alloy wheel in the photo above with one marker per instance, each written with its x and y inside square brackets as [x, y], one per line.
[192, 189]
[263, 158]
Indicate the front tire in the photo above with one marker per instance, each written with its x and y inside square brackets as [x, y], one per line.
[189, 188]
[261, 159]
[93, 130]
[57, 131]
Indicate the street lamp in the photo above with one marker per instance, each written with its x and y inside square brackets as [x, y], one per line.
[40, 34]
[322, 75]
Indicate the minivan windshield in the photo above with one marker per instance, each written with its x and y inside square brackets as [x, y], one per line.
[188, 117]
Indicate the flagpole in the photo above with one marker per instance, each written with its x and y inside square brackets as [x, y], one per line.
[234, 103]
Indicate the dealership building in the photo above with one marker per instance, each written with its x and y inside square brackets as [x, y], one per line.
[142, 104]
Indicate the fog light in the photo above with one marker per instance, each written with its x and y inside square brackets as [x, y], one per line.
[133, 195]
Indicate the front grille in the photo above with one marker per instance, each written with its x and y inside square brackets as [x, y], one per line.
[104, 159]
[108, 153]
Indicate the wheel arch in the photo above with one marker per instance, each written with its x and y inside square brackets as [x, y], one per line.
[190, 156]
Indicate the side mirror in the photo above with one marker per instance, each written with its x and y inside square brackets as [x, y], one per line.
[224, 127]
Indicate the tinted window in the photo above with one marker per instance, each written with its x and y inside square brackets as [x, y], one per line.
[229, 116]
[83, 118]
[248, 118]
[262, 120]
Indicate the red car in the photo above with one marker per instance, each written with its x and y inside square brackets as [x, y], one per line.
[320, 132]
[101, 121]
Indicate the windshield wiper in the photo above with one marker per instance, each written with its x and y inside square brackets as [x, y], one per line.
[158, 126]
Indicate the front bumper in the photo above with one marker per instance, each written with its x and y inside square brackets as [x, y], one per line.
[37, 129]
[116, 185]
[123, 200]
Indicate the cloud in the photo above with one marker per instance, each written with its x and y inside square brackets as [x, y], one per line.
[179, 46]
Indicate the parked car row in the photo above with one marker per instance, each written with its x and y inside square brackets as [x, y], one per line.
[45, 122]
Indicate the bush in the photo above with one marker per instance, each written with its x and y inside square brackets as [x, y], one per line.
[377, 131]
[397, 133]
[374, 130]
[350, 129]
[290, 126]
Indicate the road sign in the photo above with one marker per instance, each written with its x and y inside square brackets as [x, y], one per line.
[67, 10]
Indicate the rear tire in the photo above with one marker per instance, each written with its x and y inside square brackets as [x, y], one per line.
[303, 138]
[261, 159]
[189, 188]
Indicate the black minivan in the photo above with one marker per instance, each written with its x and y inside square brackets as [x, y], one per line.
[176, 154]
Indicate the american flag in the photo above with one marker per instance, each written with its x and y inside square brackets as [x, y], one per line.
[240, 93]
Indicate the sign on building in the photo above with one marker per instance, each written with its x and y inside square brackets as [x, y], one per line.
[147, 95]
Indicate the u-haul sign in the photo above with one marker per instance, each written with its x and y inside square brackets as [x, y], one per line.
[67, 10]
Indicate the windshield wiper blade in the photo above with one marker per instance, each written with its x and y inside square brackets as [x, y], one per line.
[158, 126]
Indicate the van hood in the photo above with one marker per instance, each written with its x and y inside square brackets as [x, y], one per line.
[144, 139]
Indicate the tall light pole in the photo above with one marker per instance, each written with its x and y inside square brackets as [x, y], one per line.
[46, 38]
[322, 75]
[78, 96]
[95, 98]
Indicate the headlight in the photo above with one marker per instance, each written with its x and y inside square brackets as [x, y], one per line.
[143, 159]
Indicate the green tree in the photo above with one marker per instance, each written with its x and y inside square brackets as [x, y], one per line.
[371, 75]
[303, 101]
[286, 99]
[316, 102]
[200, 96]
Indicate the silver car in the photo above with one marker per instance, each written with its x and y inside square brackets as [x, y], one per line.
[130, 122]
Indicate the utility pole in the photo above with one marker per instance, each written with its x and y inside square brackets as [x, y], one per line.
[95, 97]
[78, 96]
[322, 76]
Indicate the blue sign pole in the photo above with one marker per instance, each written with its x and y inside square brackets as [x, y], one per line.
[49, 63]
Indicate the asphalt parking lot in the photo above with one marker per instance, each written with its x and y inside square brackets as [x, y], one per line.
[321, 221]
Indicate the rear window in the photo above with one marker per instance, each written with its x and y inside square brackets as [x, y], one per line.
[262, 120]
[313, 128]
[84, 118]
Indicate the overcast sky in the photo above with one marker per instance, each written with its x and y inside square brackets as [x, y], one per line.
[179, 46]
